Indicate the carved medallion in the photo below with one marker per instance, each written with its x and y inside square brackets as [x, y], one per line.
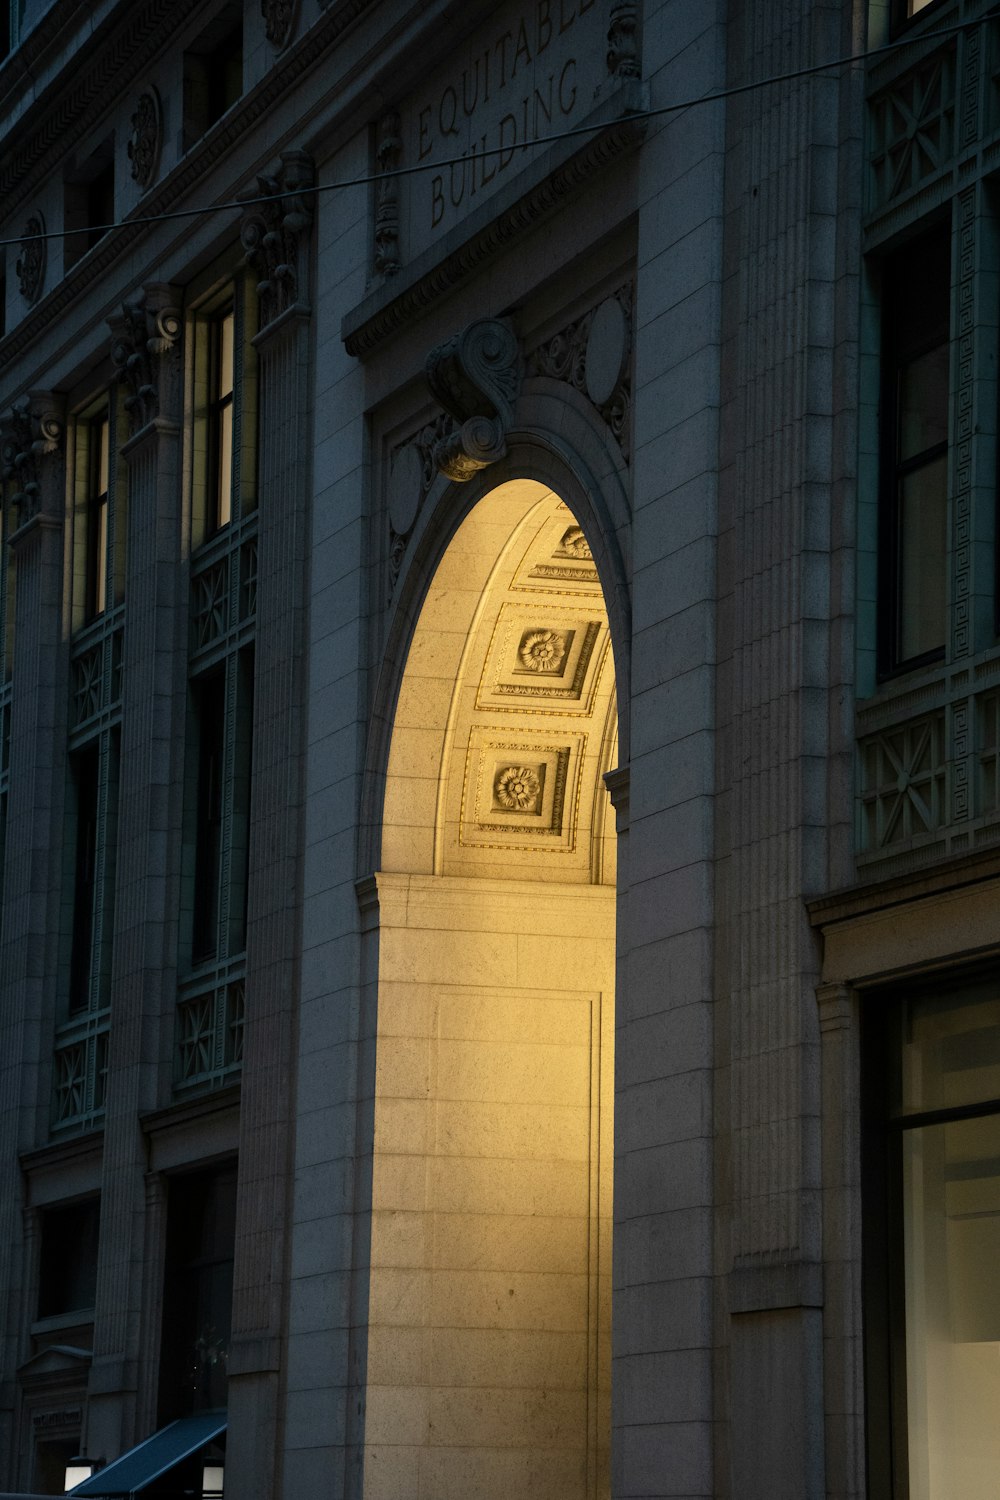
[30, 265]
[144, 139]
[607, 351]
[518, 788]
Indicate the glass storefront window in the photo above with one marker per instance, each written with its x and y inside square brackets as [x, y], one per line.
[933, 1317]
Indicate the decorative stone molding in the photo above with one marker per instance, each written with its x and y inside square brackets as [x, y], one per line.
[145, 137]
[475, 377]
[30, 264]
[274, 233]
[397, 303]
[387, 154]
[279, 18]
[412, 471]
[144, 335]
[33, 432]
[593, 354]
[623, 55]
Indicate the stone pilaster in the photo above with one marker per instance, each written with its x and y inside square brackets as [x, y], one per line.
[280, 258]
[146, 349]
[35, 484]
[777, 458]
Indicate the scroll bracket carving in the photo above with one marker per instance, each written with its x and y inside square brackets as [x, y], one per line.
[475, 376]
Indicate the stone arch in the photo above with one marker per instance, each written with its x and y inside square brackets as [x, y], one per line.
[557, 440]
[493, 914]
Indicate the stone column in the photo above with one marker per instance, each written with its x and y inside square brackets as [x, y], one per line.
[276, 240]
[35, 475]
[146, 349]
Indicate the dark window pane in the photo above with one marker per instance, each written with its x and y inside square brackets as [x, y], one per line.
[923, 556]
[67, 1279]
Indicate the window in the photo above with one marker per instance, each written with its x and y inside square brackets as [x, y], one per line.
[197, 1291]
[933, 1243]
[67, 1271]
[221, 675]
[97, 516]
[913, 540]
[213, 73]
[89, 202]
[219, 471]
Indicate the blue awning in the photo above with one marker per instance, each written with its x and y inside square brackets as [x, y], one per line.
[130, 1474]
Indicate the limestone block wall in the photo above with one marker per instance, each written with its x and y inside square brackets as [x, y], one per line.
[489, 1321]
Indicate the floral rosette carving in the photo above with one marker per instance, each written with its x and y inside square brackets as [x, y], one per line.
[30, 264]
[543, 650]
[144, 137]
[517, 789]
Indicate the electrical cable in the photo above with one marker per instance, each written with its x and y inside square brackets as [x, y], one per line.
[370, 178]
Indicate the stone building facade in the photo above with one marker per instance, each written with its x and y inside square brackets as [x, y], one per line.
[500, 778]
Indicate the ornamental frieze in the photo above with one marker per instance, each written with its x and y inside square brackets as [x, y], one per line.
[593, 354]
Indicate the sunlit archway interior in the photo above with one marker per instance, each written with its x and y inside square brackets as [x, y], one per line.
[488, 1354]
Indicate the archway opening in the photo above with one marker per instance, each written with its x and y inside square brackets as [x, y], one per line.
[488, 1359]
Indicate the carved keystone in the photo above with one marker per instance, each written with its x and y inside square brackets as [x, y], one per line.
[475, 376]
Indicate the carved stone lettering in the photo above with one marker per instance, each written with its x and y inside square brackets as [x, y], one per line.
[521, 79]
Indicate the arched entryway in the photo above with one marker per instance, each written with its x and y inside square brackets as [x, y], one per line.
[488, 1346]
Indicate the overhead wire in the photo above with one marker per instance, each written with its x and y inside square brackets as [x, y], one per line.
[369, 179]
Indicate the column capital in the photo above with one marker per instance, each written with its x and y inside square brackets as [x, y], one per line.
[32, 432]
[145, 350]
[275, 232]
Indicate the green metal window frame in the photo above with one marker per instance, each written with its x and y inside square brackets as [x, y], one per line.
[81, 1037]
[208, 1049]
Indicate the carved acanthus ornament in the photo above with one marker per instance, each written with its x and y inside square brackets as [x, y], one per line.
[32, 433]
[279, 16]
[593, 354]
[475, 377]
[275, 232]
[387, 154]
[30, 264]
[623, 51]
[145, 349]
[145, 137]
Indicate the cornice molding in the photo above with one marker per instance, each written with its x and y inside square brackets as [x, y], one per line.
[191, 170]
